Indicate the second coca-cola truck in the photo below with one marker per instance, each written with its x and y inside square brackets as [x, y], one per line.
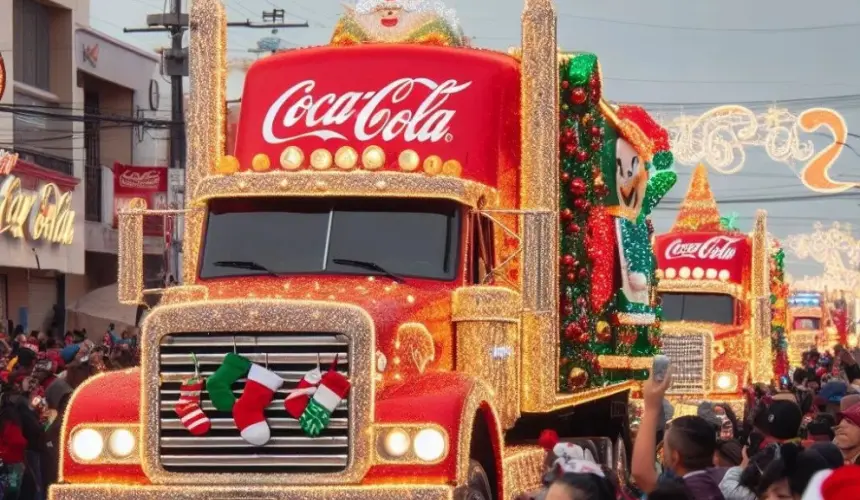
[716, 310]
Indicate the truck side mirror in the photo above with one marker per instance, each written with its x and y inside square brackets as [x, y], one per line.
[130, 258]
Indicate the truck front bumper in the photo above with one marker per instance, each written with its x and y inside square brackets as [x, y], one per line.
[180, 492]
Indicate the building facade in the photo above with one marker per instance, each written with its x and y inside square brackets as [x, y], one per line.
[125, 150]
[42, 265]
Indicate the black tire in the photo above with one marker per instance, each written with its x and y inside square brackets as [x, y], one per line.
[477, 485]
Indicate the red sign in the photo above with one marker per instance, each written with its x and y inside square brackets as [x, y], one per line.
[706, 251]
[458, 104]
[147, 183]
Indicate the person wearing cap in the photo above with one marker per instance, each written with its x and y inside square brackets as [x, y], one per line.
[775, 421]
[848, 434]
[57, 397]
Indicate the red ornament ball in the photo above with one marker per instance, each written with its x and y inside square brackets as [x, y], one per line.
[596, 145]
[566, 215]
[595, 132]
[565, 84]
[570, 278]
[583, 273]
[581, 155]
[568, 260]
[578, 96]
[577, 187]
[573, 228]
[570, 148]
[565, 177]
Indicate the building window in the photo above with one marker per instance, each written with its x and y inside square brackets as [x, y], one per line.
[92, 142]
[32, 45]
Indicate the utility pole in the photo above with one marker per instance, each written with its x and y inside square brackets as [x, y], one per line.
[175, 64]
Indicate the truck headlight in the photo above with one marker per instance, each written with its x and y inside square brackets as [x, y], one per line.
[726, 381]
[397, 443]
[429, 445]
[104, 444]
[87, 445]
[121, 443]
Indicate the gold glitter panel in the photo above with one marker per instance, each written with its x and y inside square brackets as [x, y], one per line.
[478, 403]
[625, 362]
[524, 469]
[350, 183]
[206, 113]
[702, 286]
[488, 343]
[130, 254]
[250, 491]
[539, 193]
[185, 293]
[762, 367]
[265, 316]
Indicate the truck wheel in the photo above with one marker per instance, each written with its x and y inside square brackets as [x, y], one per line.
[477, 485]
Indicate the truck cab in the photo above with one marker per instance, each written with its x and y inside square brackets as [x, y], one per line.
[808, 323]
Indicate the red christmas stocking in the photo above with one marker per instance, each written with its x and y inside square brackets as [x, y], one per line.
[248, 411]
[298, 398]
[188, 408]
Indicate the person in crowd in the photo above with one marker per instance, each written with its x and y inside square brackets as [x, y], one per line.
[787, 476]
[848, 434]
[774, 421]
[580, 486]
[741, 482]
[671, 490]
[820, 429]
[729, 454]
[57, 398]
[830, 452]
[688, 448]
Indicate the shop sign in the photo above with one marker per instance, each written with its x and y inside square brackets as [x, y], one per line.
[46, 215]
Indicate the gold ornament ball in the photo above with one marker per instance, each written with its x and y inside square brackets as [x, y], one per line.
[292, 158]
[452, 168]
[321, 159]
[577, 378]
[433, 165]
[227, 165]
[346, 158]
[373, 158]
[261, 162]
[408, 160]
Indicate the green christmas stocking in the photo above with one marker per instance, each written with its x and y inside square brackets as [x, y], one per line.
[219, 385]
[333, 388]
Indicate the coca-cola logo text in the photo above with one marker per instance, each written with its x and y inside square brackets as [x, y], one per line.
[716, 248]
[147, 179]
[374, 113]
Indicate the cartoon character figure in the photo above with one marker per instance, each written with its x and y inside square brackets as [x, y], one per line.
[636, 167]
[399, 21]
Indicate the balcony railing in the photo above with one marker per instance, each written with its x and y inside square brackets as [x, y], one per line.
[56, 163]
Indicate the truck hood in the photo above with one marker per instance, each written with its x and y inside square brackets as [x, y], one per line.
[389, 303]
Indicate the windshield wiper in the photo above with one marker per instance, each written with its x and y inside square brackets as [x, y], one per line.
[370, 266]
[246, 264]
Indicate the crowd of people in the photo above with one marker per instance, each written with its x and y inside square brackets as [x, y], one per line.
[38, 373]
[798, 439]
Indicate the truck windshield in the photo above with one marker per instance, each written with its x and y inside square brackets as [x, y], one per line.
[361, 236]
[702, 307]
[806, 324]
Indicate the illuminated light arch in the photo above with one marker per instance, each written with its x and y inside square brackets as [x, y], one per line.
[719, 136]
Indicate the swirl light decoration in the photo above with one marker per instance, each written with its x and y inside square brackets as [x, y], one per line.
[835, 247]
[719, 138]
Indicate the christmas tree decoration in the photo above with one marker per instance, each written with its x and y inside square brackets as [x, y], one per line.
[188, 408]
[699, 211]
[248, 412]
[297, 399]
[778, 308]
[332, 389]
[219, 385]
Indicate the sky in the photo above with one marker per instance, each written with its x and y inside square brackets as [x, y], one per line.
[675, 57]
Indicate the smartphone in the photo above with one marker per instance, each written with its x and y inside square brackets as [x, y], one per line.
[660, 367]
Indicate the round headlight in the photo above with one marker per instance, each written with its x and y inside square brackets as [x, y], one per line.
[724, 382]
[87, 444]
[429, 445]
[396, 443]
[121, 443]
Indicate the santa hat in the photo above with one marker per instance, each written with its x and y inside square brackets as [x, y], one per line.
[837, 484]
[640, 129]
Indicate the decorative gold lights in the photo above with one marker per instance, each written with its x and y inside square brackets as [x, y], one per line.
[292, 158]
[321, 159]
[373, 158]
[408, 160]
[346, 158]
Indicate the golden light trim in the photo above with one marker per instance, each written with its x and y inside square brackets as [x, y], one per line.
[452, 168]
[380, 432]
[272, 316]
[700, 286]
[408, 160]
[197, 491]
[373, 158]
[760, 310]
[625, 362]
[321, 159]
[346, 158]
[433, 165]
[524, 469]
[292, 158]
[352, 183]
[261, 162]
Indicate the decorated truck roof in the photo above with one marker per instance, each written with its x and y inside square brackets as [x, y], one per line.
[697, 247]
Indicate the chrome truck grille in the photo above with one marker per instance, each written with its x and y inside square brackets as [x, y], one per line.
[222, 449]
[691, 355]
